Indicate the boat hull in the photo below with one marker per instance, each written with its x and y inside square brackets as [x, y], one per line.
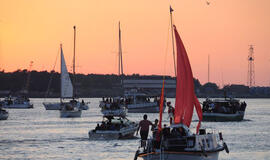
[144, 108]
[108, 135]
[181, 156]
[52, 106]
[18, 106]
[221, 117]
[70, 114]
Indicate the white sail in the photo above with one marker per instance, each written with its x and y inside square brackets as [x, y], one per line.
[66, 85]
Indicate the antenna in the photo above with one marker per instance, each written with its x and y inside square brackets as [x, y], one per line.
[251, 71]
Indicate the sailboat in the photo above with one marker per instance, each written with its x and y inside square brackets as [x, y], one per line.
[115, 106]
[177, 141]
[73, 108]
[22, 101]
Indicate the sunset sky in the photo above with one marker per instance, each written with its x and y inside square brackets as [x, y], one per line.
[32, 30]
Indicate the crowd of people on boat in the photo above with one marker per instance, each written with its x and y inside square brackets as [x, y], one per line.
[227, 107]
[166, 133]
[112, 103]
[108, 125]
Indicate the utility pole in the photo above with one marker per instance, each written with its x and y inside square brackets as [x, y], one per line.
[251, 71]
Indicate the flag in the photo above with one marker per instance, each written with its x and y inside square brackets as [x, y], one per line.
[171, 10]
[161, 107]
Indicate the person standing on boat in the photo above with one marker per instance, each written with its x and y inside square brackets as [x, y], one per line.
[170, 112]
[144, 129]
[154, 128]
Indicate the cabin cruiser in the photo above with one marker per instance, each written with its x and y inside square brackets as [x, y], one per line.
[113, 107]
[57, 105]
[113, 127]
[3, 113]
[178, 142]
[17, 103]
[138, 102]
[227, 109]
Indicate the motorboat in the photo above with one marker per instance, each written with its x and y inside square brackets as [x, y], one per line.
[138, 102]
[113, 107]
[113, 127]
[220, 110]
[17, 103]
[57, 105]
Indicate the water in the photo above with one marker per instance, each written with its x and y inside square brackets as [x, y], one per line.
[40, 134]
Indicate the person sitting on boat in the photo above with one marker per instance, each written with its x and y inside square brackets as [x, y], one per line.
[170, 112]
[83, 102]
[102, 126]
[144, 129]
[97, 127]
[165, 131]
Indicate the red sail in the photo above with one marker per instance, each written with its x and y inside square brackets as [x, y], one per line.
[185, 96]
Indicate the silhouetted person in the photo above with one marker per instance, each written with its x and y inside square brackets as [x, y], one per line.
[144, 129]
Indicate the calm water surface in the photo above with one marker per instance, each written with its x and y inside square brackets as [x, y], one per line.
[40, 134]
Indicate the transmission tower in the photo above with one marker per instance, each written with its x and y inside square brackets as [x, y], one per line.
[251, 71]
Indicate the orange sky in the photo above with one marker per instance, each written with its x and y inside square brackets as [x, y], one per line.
[31, 30]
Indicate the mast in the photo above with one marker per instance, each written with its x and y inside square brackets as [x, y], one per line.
[120, 65]
[74, 76]
[25, 90]
[61, 89]
[120, 58]
[208, 68]
[171, 10]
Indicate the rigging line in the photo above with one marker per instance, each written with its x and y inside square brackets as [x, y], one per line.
[166, 50]
[51, 77]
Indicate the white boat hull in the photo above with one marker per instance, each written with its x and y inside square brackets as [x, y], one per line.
[70, 114]
[222, 117]
[18, 106]
[181, 156]
[52, 106]
[117, 112]
[83, 107]
[127, 132]
[144, 108]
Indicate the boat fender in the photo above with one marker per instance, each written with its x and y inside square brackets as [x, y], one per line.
[226, 147]
[136, 155]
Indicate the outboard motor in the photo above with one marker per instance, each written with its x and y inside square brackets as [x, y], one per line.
[226, 147]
